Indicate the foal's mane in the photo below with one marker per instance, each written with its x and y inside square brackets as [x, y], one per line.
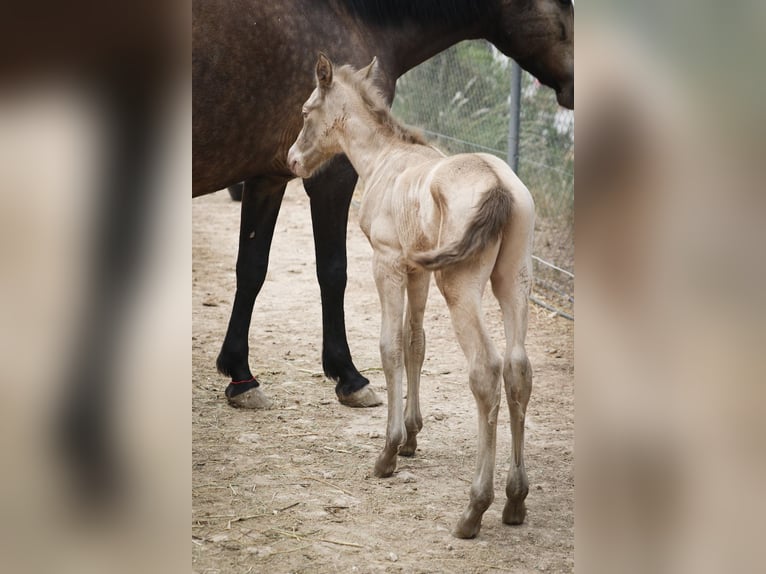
[376, 104]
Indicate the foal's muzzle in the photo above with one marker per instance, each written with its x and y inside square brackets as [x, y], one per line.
[295, 163]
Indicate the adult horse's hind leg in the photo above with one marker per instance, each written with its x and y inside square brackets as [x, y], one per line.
[462, 289]
[414, 344]
[330, 192]
[261, 200]
[510, 284]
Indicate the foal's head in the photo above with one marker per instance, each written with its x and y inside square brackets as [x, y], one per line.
[341, 93]
[324, 116]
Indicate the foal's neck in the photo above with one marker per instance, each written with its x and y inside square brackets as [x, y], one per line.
[370, 145]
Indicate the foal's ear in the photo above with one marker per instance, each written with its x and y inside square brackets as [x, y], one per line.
[370, 70]
[323, 72]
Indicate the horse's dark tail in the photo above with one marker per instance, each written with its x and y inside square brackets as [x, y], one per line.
[485, 226]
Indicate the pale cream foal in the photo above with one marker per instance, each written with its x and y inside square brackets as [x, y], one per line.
[469, 218]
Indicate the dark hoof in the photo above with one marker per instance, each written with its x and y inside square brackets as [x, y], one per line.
[363, 398]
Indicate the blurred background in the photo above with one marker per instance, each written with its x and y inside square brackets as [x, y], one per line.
[670, 287]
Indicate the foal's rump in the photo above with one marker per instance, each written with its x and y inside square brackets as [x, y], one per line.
[489, 215]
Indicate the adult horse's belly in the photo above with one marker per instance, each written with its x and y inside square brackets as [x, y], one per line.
[252, 69]
[248, 87]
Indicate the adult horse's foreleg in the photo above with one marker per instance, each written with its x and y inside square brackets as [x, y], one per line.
[261, 200]
[330, 193]
[414, 352]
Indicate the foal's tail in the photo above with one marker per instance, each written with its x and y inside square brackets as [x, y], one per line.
[485, 226]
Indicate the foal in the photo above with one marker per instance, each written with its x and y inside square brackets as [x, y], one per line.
[467, 217]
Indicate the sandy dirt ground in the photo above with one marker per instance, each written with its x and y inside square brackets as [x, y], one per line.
[291, 489]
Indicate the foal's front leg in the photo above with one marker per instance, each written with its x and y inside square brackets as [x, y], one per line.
[390, 282]
[414, 353]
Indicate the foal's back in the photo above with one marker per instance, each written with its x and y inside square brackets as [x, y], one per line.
[434, 200]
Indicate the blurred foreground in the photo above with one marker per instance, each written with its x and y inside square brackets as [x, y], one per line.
[94, 288]
[670, 290]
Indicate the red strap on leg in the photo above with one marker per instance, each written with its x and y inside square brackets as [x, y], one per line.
[251, 380]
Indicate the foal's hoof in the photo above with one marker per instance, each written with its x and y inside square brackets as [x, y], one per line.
[253, 398]
[364, 397]
[384, 466]
[409, 447]
[467, 527]
[514, 512]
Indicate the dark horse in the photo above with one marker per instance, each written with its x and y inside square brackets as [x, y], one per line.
[252, 70]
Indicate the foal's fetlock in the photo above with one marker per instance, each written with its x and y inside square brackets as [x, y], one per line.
[517, 486]
[470, 522]
[410, 445]
[515, 509]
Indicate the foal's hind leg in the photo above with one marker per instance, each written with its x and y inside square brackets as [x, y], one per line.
[463, 294]
[510, 285]
[414, 352]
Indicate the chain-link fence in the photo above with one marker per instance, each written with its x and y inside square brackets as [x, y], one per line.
[461, 100]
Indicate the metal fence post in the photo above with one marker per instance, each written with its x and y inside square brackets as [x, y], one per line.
[515, 119]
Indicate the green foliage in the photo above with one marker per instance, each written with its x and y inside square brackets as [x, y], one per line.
[461, 93]
[546, 149]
